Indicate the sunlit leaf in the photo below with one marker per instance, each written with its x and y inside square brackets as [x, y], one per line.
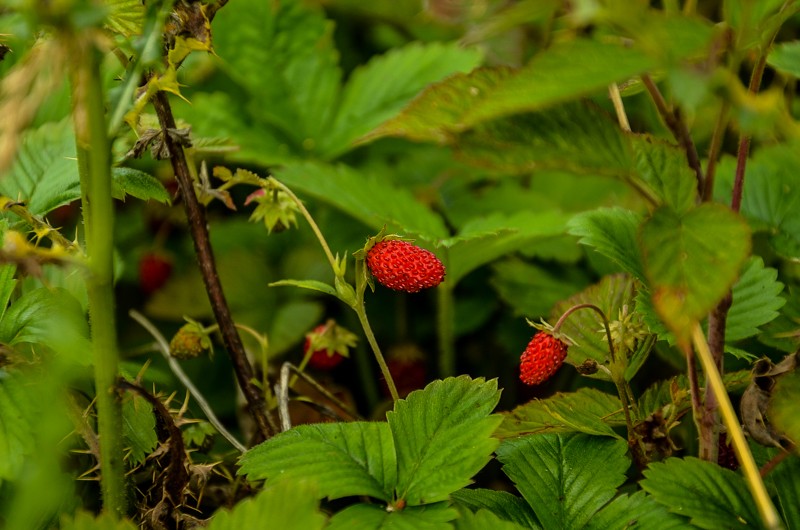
[374, 517]
[507, 506]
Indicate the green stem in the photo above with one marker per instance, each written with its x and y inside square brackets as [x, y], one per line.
[362, 317]
[94, 163]
[766, 509]
[445, 317]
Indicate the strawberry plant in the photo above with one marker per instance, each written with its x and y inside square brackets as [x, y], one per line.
[355, 208]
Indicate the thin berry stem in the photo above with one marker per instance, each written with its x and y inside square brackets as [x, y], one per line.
[597, 310]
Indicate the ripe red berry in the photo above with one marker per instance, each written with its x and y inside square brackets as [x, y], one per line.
[154, 271]
[542, 358]
[406, 363]
[401, 266]
[329, 344]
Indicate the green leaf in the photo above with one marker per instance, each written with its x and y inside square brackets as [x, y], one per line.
[688, 270]
[783, 333]
[564, 72]
[7, 285]
[443, 436]
[128, 181]
[125, 16]
[44, 174]
[612, 233]
[88, 521]
[530, 290]
[783, 404]
[756, 300]
[505, 505]
[785, 57]
[786, 480]
[576, 137]
[345, 459]
[588, 411]
[483, 519]
[287, 504]
[138, 429]
[291, 321]
[771, 196]
[755, 22]
[665, 172]
[373, 517]
[311, 285]
[637, 511]
[586, 326]
[486, 239]
[378, 90]
[713, 497]
[566, 479]
[372, 201]
[16, 424]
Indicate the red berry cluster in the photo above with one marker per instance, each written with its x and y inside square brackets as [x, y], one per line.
[401, 266]
[542, 358]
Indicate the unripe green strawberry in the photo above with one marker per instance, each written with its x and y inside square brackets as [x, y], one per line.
[401, 266]
[190, 341]
[542, 358]
[327, 345]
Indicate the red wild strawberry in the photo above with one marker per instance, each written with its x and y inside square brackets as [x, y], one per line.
[406, 363]
[154, 271]
[327, 344]
[542, 358]
[726, 456]
[401, 266]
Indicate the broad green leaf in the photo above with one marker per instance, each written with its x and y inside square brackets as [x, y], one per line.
[372, 201]
[443, 436]
[138, 429]
[378, 90]
[7, 285]
[783, 333]
[505, 505]
[87, 521]
[483, 519]
[45, 173]
[16, 424]
[756, 300]
[783, 404]
[374, 517]
[711, 496]
[564, 72]
[755, 22]
[785, 57]
[665, 172]
[125, 16]
[486, 239]
[586, 326]
[288, 505]
[144, 186]
[771, 196]
[786, 480]
[588, 411]
[566, 478]
[345, 459]
[612, 233]
[637, 511]
[688, 270]
[576, 137]
[532, 291]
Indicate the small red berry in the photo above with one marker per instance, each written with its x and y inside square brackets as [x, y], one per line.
[154, 271]
[401, 266]
[328, 344]
[542, 358]
[406, 363]
[726, 456]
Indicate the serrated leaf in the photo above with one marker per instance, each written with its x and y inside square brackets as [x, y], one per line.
[756, 300]
[688, 271]
[16, 424]
[711, 496]
[785, 57]
[612, 233]
[128, 181]
[483, 519]
[88, 521]
[771, 198]
[532, 291]
[7, 284]
[783, 405]
[345, 459]
[486, 239]
[566, 478]
[505, 505]
[635, 511]
[288, 505]
[786, 480]
[586, 327]
[576, 137]
[45, 173]
[443, 436]
[380, 89]
[372, 201]
[588, 411]
[138, 429]
[125, 16]
[373, 517]
[664, 170]
[783, 333]
[561, 73]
